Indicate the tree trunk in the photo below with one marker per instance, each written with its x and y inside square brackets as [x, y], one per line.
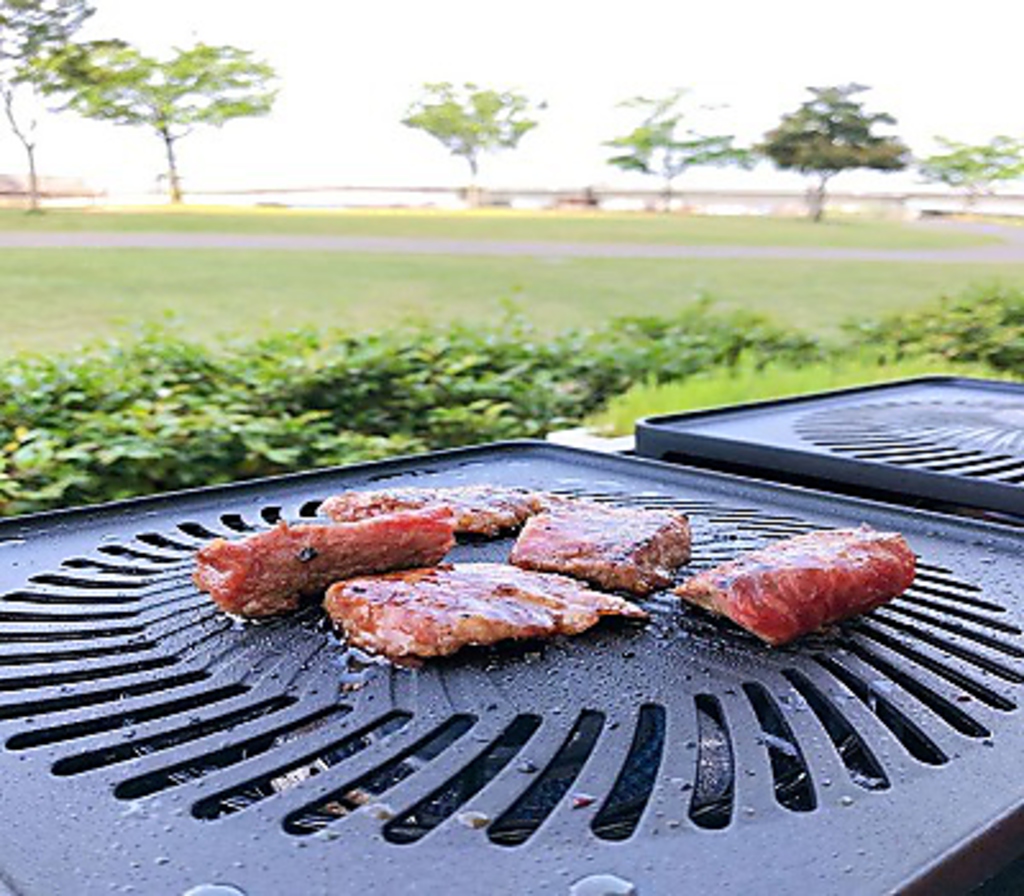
[473, 191]
[816, 198]
[667, 196]
[26, 141]
[33, 179]
[173, 181]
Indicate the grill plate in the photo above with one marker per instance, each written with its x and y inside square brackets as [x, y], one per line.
[952, 440]
[150, 744]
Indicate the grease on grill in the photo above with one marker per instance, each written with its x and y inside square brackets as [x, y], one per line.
[204, 763]
[518, 823]
[427, 814]
[793, 787]
[366, 788]
[865, 770]
[711, 805]
[914, 740]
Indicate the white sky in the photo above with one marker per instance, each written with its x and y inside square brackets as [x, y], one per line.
[349, 69]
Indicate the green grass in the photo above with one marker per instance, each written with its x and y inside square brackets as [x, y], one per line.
[723, 388]
[547, 226]
[56, 299]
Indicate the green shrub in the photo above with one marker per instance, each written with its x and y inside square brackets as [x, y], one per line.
[158, 412]
[984, 325]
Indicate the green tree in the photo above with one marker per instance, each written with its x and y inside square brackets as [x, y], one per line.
[663, 146]
[30, 32]
[469, 121]
[201, 85]
[975, 169]
[831, 133]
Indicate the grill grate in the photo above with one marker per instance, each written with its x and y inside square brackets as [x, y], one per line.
[950, 440]
[211, 750]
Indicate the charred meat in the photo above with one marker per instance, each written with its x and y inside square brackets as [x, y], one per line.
[435, 612]
[478, 509]
[800, 584]
[616, 548]
[269, 572]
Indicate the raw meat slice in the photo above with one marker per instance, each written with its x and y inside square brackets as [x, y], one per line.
[434, 612]
[800, 584]
[617, 548]
[269, 572]
[478, 509]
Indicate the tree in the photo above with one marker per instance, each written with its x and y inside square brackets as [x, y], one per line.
[202, 85]
[31, 31]
[975, 169]
[831, 133]
[661, 146]
[471, 120]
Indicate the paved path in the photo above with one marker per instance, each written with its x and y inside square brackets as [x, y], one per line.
[1009, 251]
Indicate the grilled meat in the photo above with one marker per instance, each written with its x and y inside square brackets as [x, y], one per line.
[800, 584]
[619, 548]
[270, 572]
[478, 509]
[435, 612]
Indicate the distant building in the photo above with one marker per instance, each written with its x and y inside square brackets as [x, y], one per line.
[52, 190]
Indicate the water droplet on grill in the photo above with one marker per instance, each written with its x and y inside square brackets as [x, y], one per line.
[473, 819]
[214, 890]
[602, 885]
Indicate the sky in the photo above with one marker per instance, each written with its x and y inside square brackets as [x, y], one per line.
[348, 71]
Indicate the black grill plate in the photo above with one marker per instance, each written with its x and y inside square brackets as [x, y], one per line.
[151, 745]
[951, 440]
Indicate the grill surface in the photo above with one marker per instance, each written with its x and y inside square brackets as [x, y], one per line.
[152, 745]
[952, 440]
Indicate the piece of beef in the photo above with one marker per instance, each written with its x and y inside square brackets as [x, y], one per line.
[617, 548]
[434, 612]
[478, 509]
[800, 584]
[269, 572]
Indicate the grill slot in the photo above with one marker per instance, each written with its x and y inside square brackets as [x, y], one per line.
[58, 598]
[59, 733]
[25, 708]
[711, 806]
[236, 522]
[964, 682]
[911, 596]
[198, 530]
[366, 788]
[173, 737]
[32, 634]
[458, 790]
[118, 550]
[280, 780]
[204, 764]
[865, 770]
[310, 508]
[158, 540]
[952, 715]
[953, 628]
[77, 674]
[793, 787]
[69, 654]
[618, 817]
[973, 657]
[916, 742]
[519, 822]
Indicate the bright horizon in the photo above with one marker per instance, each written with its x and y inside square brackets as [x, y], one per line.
[348, 72]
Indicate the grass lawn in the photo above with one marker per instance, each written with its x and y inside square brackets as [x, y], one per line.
[56, 299]
[548, 226]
